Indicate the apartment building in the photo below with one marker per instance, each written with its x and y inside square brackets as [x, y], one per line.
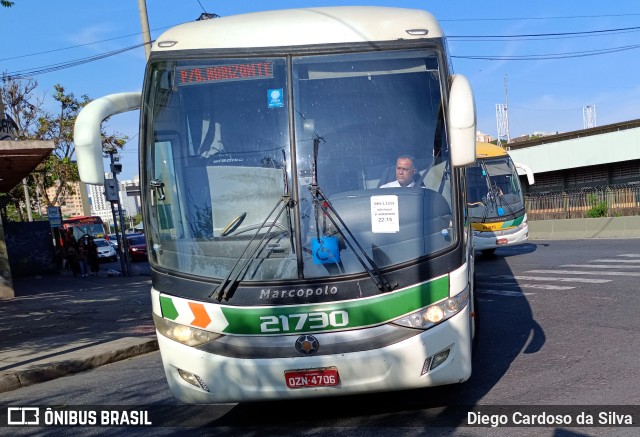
[73, 201]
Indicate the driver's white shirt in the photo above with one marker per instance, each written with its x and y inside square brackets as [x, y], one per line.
[396, 184]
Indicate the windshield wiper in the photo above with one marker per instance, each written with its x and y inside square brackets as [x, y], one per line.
[228, 286]
[504, 202]
[489, 197]
[372, 270]
[494, 194]
[321, 200]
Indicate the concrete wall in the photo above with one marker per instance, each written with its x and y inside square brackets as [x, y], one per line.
[30, 248]
[6, 284]
[603, 227]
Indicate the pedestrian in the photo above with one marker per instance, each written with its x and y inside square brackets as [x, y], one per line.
[82, 257]
[72, 260]
[92, 255]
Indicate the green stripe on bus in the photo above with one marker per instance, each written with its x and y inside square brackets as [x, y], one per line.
[169, 310]
[515, 222]
[336, 315]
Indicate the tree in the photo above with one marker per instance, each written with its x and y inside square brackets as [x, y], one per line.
[6, 3]
[59, 170]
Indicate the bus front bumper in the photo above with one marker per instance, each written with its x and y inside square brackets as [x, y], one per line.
[398, 366]
[492, 240]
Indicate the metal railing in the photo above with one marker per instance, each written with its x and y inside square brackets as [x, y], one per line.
[603, 201]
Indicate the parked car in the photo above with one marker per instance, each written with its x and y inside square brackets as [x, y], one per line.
[113, 241]
[137, 247]
[106, 252]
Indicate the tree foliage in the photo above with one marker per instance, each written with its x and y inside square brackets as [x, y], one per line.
[6, 3]
[59, 170]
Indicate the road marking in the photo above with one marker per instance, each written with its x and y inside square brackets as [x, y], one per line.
[548, 278]
[546, 286]
[631, 255]
[598, 266]
[505, 292]
[571, 272]
[616, 261]
[539, 286]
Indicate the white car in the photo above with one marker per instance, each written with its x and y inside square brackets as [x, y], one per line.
[106, 252]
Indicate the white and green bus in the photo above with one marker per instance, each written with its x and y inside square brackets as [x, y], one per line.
[280, 268]
[496, 200]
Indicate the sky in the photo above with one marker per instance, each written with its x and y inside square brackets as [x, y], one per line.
[484, 39]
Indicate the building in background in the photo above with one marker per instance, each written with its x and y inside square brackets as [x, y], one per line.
[483, 138]
[72, 202]
[129, 193]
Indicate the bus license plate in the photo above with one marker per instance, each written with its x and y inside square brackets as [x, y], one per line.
[325, 377]
[502, 241]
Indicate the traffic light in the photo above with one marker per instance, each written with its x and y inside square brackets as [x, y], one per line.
[116, 166]
[111, 190]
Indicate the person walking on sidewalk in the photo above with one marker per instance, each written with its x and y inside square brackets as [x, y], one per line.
[92, 255]
[72, 259]
[82, 257]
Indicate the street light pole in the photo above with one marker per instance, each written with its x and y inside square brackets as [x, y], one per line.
[144, 22]
[114, 197]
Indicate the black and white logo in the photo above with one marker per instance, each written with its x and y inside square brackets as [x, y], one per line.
[307, 345]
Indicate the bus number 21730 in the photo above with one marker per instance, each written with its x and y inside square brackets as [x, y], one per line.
[304, 321]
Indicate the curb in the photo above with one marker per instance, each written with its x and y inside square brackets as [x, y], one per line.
[90, 358]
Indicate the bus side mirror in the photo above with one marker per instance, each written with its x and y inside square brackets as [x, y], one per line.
[462, 122]
[527, 171]
[87, 137]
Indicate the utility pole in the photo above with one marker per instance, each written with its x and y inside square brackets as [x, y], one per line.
[502, 117]
[506, 107]
[589, 116]
[112, 194]
[27, 199]
[144, 23]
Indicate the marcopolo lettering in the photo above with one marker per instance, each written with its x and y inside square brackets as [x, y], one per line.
[271, 294]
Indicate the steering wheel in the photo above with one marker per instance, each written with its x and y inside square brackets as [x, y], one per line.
[260, 226]
[233, 224]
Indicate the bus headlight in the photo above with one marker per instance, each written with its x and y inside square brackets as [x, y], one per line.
[430, 316]
[187, 335]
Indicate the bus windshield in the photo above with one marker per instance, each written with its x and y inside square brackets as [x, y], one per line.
[272, 167]
[82, 226]
[494, 189]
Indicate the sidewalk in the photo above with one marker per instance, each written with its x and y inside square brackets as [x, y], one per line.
[59, 324]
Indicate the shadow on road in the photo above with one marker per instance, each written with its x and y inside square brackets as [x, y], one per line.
[506, 329]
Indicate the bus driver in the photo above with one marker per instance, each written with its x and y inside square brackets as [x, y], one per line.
[405, 173]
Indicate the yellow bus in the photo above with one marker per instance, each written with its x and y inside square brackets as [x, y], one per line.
[280, 267]
[495, 199]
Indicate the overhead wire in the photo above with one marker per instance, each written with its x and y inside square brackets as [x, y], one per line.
[45, 52]
[21, 74]
[559, 34]
[568, 17]
[547, 56]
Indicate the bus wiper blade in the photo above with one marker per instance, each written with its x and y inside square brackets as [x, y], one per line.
[227, 287]
[503, 201]
[373, 271]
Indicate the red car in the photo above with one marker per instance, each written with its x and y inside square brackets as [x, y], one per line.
[137, 247]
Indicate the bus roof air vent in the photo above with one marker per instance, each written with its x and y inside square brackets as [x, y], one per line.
[417, 32]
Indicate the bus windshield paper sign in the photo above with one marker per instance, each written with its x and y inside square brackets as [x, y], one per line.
[384, 214]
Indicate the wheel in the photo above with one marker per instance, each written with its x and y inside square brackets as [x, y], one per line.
[488, 251]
